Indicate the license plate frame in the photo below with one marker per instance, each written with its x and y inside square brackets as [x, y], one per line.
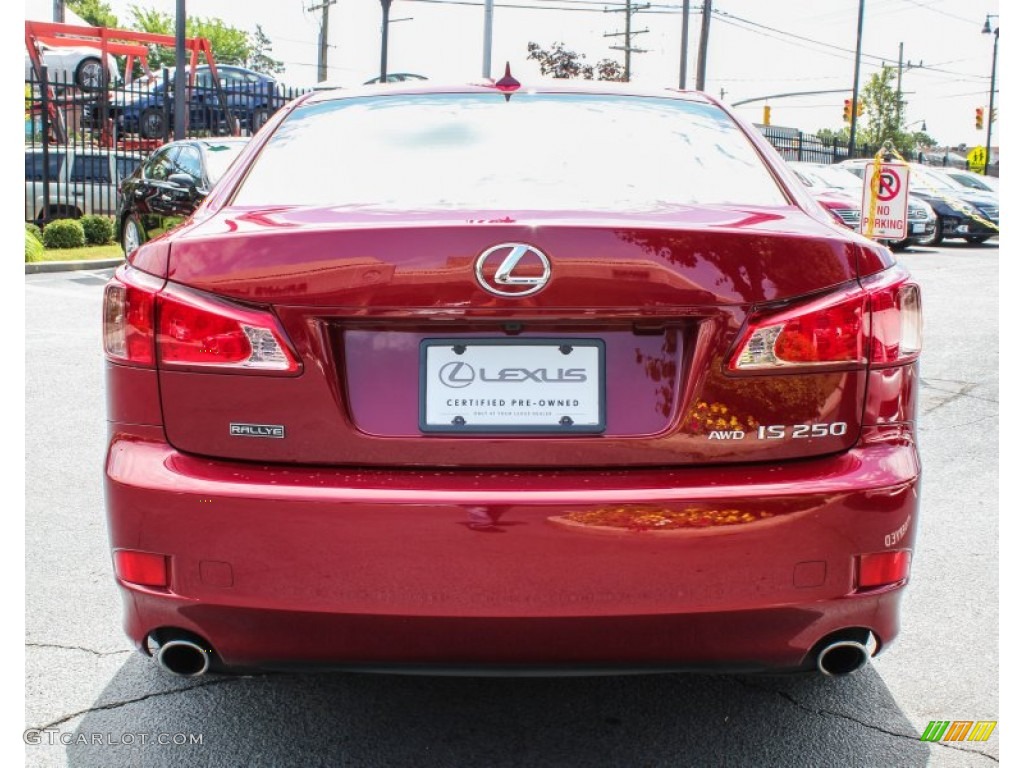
[559, 392]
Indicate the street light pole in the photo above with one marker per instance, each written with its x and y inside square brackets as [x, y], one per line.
[987, 29]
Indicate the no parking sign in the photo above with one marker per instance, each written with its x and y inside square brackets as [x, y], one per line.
[885, 199]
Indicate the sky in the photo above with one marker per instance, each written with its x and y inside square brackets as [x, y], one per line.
[755, 48]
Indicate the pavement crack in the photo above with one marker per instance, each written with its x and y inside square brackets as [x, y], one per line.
[842, 716]
[950, 396]
[75, 648]
[126, 702]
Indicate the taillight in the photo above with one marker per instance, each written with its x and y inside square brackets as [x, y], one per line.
[128, 317]
[197, 331]
[146, 323]
[896, 324]
[879, 324]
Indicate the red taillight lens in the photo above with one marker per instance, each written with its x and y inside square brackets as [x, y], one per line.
[128, 317]
[146, 569]
[195, 330]
[881, 568]
[879, 324]
[144, 321]
[827, 331]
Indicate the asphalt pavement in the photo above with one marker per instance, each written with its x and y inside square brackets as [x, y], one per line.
[92, 701]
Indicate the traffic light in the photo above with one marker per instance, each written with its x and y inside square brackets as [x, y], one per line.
[847, 110]
[992, 115]
[767, 115]
[860, 108]
[979, 118]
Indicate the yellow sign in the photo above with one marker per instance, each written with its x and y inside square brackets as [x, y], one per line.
[976, 159]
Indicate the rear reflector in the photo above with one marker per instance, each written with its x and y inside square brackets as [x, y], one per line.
[879, 323]
[143, 568]
[881, 568]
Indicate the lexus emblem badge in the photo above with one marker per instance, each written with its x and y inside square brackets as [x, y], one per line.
[512, 270]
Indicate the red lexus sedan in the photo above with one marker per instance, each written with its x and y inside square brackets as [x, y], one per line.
[517, 380]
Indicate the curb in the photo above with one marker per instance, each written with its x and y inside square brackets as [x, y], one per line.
[35, 267]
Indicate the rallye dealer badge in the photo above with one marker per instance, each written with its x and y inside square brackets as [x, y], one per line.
[256, 430]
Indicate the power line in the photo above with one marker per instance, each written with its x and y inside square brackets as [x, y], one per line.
[882, 59]
[928, 7]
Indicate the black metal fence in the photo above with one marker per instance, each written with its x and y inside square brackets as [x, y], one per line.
[80, 143]
[797, 145]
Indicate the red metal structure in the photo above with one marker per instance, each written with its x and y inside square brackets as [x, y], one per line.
[120, 42]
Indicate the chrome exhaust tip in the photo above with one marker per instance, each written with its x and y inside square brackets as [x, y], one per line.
[184, 658]
[842, 658]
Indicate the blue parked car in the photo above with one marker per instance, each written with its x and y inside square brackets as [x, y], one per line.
[252, 98]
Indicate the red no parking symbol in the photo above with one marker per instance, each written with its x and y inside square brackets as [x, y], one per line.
[888, 185]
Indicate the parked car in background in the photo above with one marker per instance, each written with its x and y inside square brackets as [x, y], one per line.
[78, 66]
[427, 384]
[169, 186]
[974, 181]
[252, 97]
[79, 181]
[396, 77]
[828, 181]
[973, 216]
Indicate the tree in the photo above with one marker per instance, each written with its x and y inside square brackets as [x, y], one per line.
[95, 12]
[561, 63]
[259, 55]
[828, 136]
[882, 111]
[230, 45]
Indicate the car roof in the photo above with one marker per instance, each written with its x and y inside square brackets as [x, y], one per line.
[428, 88]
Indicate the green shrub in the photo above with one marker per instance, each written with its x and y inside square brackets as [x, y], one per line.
[64, 233]
[33, 248]
[98, 229]
[35, 231]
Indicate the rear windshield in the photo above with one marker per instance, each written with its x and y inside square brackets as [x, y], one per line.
[534, 152]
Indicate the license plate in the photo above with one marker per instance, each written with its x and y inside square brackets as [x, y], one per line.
[916, 229]
[554, 386]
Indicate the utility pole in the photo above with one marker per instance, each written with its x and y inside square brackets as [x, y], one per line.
[899, 91]
[856, 82]
[321, 60]
[488, 35]
[702, 51]
[58, 11]
[627, 45]
[684, 47]
[385, 24]
[180, 110]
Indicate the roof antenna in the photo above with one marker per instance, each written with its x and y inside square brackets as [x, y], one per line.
[508, 84]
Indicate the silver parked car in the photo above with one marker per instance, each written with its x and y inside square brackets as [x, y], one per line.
[77, 181]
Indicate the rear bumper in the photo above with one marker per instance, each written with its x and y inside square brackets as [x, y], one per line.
[279, 566]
